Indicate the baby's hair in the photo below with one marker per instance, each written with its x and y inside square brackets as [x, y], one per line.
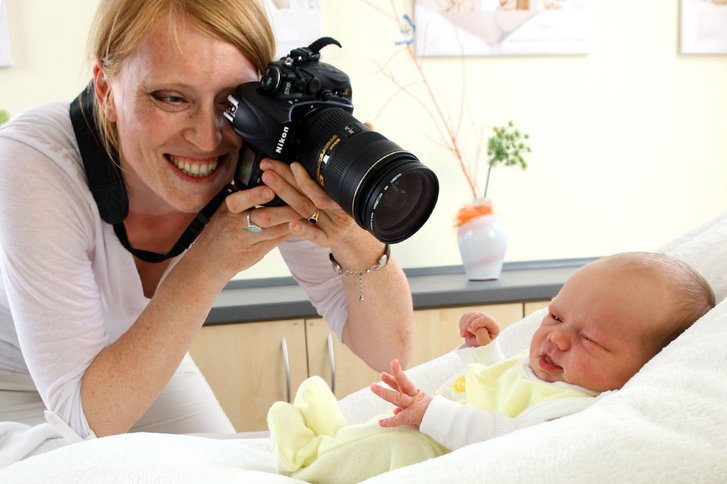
[694, 296]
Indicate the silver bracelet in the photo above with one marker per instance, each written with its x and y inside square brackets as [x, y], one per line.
[383, 260]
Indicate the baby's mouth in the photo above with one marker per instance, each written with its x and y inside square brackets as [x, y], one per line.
[195, 167]
[546, 364]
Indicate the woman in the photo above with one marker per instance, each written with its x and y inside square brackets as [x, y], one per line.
[104, 332]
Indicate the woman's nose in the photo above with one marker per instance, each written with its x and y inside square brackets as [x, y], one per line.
[204, 128]
[560, 340]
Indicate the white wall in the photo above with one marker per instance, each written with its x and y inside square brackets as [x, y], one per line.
[628, 141]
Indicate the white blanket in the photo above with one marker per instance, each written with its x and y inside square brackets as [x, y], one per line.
[668, 423]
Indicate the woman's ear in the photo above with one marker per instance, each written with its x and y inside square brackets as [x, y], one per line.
[102, 90]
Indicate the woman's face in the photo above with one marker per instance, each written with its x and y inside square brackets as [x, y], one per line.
[177, 149]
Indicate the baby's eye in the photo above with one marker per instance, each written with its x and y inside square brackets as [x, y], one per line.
[589, 342]
[555, 317]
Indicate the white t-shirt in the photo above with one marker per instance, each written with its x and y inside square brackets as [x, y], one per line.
[68, 286]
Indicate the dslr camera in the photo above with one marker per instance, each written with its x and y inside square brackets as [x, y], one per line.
[300, 110]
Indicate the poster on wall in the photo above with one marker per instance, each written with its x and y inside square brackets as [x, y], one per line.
[703, 27]
[295, 22]
[6, 58]
[501, 27]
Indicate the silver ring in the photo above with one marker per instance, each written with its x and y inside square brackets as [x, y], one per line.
[313, 218]
[255, 229]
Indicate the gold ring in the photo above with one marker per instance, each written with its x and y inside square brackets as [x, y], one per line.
[313, 218]
[255, 229]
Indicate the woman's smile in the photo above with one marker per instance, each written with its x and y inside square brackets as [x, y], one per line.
[195, 167]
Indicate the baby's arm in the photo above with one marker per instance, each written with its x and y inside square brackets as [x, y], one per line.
[478, 329]
[454, 425]
[411, 403]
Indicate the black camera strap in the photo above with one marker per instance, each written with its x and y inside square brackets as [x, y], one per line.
[107, 183]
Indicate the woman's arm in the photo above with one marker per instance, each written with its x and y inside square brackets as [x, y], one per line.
[128, 375]
[378, 328]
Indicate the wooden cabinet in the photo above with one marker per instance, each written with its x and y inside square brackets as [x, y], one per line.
[245, 364]
[247, 367]
[436, 331]
[334, 362]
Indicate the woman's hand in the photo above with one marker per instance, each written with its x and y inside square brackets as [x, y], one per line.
[306, 197]
[411, 403]
[227, 246]
[478, 329]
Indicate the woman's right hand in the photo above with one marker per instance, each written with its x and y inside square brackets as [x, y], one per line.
[227, 247]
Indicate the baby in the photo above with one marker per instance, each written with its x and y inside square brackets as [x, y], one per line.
[609, 318]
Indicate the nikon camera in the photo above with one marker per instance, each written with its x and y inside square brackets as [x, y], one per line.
[301, 111]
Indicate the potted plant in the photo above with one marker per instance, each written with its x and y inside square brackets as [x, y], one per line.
[481, 236]
[4, 117]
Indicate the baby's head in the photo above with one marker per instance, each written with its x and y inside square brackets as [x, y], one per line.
[613, 315]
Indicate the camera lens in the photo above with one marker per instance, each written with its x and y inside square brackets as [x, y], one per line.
[386, 189]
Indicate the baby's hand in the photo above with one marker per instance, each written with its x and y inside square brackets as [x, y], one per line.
[411, 403]
[478, 329]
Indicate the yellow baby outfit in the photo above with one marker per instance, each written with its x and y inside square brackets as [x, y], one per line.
[313, 442]
[508, 387]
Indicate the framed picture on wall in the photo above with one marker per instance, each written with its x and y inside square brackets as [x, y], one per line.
[6, 58]
[501, 27]
[703, 27]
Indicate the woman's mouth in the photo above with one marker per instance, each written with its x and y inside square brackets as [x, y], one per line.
[195, 167]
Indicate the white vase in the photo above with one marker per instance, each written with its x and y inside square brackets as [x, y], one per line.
[482, 244]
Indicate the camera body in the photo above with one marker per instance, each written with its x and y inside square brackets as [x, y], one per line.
[290, 89]
[301, 111]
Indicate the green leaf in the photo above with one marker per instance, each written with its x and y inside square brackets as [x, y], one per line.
[506, 147]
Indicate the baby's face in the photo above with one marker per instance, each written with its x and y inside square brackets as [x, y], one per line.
[600, 328]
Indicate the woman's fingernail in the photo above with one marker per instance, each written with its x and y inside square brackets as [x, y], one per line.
[265, 165]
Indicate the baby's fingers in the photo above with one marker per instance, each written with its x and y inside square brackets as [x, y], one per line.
[404, 384]
[394, 397]
[390, 381]
[394, 421]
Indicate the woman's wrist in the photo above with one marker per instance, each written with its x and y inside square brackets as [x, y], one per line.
[358, 251]
[358, 258]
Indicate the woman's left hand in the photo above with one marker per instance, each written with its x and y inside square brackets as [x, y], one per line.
[295, 187]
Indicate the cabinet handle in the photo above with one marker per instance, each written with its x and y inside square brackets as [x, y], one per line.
[332, 361]
[286, 364]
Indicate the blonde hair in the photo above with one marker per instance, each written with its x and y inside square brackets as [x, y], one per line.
[120, 25]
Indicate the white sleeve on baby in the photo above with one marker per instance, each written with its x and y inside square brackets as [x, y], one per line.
[455, 425]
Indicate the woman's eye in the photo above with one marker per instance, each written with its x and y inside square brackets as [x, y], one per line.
[223, 105]
[169, 100]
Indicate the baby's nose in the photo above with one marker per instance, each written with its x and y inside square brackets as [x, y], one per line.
[560, 340]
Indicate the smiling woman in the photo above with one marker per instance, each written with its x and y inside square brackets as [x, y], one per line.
[124, 179]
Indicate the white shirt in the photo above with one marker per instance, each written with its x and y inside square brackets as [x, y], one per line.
[68, 287]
